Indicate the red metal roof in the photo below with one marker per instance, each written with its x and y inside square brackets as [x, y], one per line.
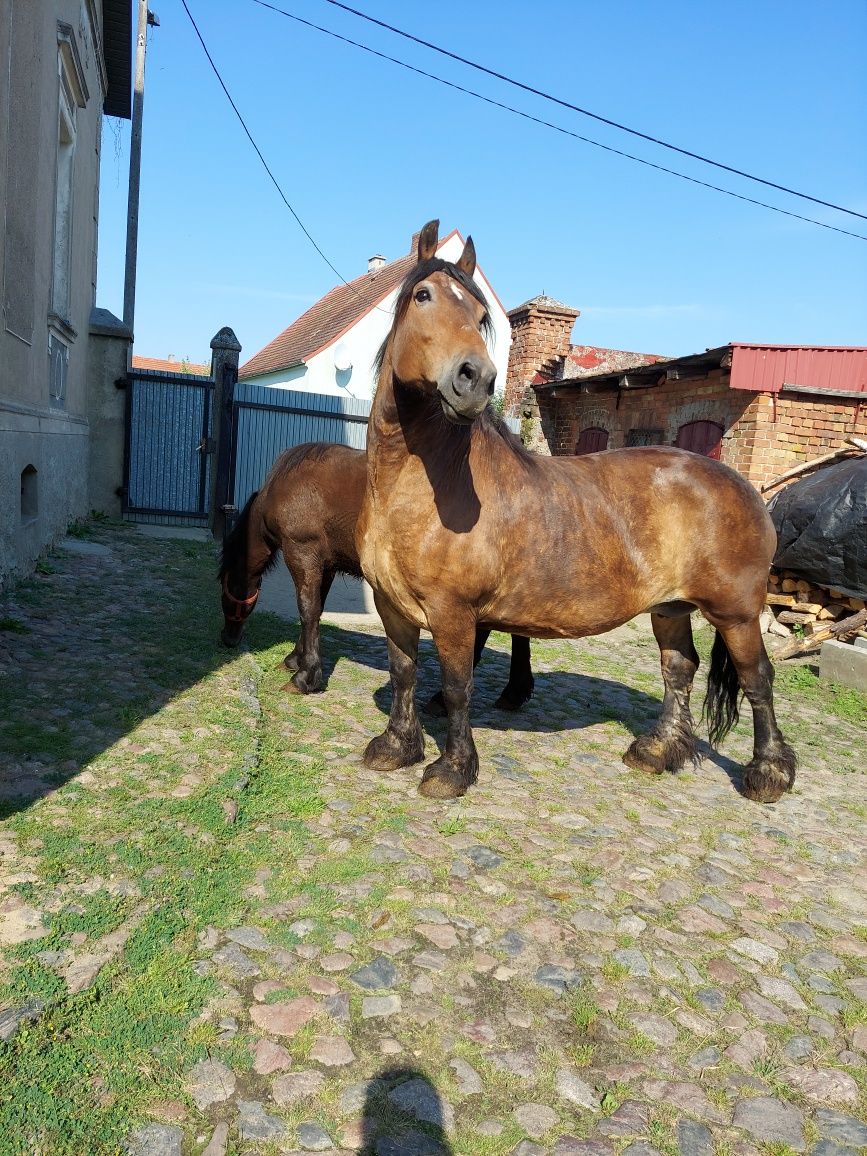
[770, 368]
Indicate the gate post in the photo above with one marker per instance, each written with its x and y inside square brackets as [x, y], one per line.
[224, 371]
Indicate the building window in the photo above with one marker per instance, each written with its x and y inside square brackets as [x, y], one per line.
[63, 212]
[58, 367]
[702, 437]
[23, 47]
[645, 437]
[592, 440]
[72, 95]
[29, 495]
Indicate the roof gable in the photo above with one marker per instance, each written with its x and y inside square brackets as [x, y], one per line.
[331, 317]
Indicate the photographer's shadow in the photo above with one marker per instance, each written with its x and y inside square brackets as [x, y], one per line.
[404, 1115]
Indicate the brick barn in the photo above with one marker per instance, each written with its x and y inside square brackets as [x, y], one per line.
[762, 409]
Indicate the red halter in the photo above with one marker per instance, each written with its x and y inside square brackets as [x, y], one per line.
[240, 613]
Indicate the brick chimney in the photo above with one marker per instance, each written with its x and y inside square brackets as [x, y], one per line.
[541, 339]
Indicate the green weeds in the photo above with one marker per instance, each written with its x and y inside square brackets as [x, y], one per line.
[13, 626]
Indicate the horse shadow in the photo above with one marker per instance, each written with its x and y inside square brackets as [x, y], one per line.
[403, 1115]
[84, 674]
[562, 700]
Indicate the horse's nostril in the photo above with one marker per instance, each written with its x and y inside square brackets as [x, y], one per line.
[491, 390]
[469, 372]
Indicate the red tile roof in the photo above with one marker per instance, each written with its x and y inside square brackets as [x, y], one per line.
[330, 317]
[170, 365]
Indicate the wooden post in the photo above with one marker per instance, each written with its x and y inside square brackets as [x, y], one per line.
[224, 371]
[146, 19]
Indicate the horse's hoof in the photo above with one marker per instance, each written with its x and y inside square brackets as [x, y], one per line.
[292, 687]
[389, 753]
[302, 684]
[646, 754]
[504, 703]
[767, 780]
[435, 707]
[442, 782]
[514, 697]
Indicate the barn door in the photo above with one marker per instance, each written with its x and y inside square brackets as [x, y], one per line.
[591, 440]
[702, 437]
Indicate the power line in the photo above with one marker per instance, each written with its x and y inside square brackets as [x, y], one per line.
[276, 183]
[555, 127]
[586, 112]
[267, 168]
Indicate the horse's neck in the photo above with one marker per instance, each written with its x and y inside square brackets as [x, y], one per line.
[244, 576]
[405, 423]
[384, 426]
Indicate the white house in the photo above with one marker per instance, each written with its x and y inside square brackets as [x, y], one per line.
[331, 348]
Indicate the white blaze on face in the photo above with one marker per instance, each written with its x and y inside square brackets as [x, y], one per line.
[457, 292]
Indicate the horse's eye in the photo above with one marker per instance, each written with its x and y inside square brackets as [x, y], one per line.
[485, 321]
[422, 295]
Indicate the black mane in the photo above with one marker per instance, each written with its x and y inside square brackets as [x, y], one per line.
[418, 273]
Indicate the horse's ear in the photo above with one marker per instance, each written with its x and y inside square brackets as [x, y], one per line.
[427, 241]
[467, 262]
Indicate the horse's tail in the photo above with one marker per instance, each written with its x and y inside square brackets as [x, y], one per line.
[233, 555]
[723, 690]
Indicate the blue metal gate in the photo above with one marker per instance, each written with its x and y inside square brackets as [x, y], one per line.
[167, 463]
[266, 421]
[172, 461]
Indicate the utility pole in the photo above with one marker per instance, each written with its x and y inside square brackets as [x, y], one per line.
[145, 19]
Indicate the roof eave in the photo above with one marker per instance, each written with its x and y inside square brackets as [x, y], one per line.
[117, 50]
[639, 377]
[246, 375]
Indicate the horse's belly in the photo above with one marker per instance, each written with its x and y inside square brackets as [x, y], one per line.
[555, 626]
[570, 615]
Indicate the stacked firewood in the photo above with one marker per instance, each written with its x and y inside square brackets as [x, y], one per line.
[810, 614]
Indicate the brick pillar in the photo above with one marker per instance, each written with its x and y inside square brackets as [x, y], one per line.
[541, 339]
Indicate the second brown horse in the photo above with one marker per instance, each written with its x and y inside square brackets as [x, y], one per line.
[308, 508]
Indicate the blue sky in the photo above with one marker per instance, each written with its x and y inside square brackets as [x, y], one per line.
[367, 152]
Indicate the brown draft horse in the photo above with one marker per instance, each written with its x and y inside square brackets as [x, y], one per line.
[308, 508]
[461, 526]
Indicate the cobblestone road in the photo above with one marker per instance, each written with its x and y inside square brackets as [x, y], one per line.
[574, 960]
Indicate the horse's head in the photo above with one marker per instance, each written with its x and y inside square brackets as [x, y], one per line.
[236, 611]
[437, 342]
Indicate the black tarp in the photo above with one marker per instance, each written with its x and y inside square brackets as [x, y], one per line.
[821, 523]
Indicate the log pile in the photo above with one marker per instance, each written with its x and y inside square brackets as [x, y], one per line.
[810, 614]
